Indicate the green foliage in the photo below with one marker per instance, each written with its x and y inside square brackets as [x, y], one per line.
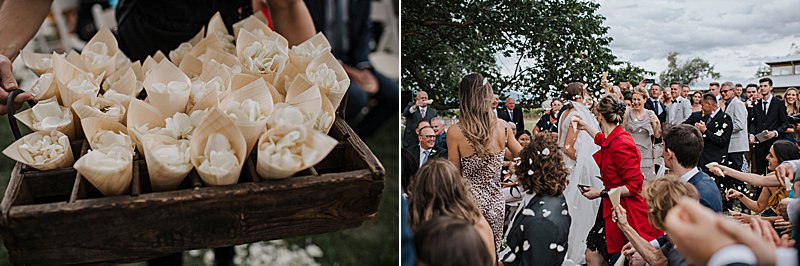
[688, 71]
[555, 42]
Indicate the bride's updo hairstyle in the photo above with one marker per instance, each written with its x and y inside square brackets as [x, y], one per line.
[611, 109]
[573, 93]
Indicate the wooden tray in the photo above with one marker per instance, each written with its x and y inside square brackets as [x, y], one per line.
[57, 217]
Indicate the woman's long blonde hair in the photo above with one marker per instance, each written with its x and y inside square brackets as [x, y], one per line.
[477, 119]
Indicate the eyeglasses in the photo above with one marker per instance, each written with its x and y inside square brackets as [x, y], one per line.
[429, 136]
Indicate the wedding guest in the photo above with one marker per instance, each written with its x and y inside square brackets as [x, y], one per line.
[681, 143]
[549, 120]
[495, 103]
[414, 112]
[476, 146]
[685, 91]
[449, 241]
[769, 120]
[697, 101]
[713, 89]
[439, 191]
[680, 109]
[438, 128]
[792, 109]
[738, 113]
[661, 194]
[619, 162]
[415, 156]
[512, 114]
[654, 104]
[524, 138]
[739, 90]
[543, 219]
[716, 127]
[666, 98]
[751, 92]
[644, 127]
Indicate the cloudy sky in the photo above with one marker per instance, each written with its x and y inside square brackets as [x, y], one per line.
[736, 36]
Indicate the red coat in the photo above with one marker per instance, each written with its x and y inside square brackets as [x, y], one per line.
[619, 162]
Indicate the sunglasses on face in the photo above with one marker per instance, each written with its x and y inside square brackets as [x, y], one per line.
[429, 136]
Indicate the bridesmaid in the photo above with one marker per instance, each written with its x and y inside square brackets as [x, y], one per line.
[619, 162]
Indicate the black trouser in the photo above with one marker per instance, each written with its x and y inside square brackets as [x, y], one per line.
[735, 160]
[366, 113]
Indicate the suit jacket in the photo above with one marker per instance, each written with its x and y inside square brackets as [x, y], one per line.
[679, 111]
[359, 30]
[708, 191]
[774, 119]
[502, 113]
[412, 121]
[716, 139]
[740, 140]
[410, 162]
[650, 105]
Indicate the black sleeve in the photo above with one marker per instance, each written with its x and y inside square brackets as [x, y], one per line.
[362, 34]
[783, 119]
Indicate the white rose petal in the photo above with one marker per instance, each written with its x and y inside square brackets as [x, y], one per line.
[546, 152]
[526, 245]
[528, 212]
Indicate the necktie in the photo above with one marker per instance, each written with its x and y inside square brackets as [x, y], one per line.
[511, 114]
[422, 112]
[425, 155]
[657, 107]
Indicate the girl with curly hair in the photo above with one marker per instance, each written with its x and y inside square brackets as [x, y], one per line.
[539, 231]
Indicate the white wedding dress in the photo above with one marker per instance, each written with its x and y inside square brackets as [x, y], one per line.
[583, 171]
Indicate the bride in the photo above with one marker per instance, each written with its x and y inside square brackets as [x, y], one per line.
[578, 149]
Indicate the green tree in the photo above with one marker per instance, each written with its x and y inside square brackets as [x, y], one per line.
[554, 41]
[686, 72]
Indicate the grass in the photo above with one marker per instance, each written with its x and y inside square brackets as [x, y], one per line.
[375, 242]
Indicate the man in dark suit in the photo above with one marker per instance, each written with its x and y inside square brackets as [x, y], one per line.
[768, 117]
[512, 114]
[716, 127]
[495, 103]
[681, 157]
[414, 112]
[655, 105]
[372, 97]
[417, 155]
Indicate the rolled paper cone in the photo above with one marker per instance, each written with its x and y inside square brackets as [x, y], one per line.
[206, 44]
[216, 25]
[246, 38]
[319, 143]
[218, 123]
[251, 24]
[327, 108]
[209, 100]
[74, 58]
[141, 113]
[335, 93]
[84, 108]
[305, 96]
[254, 91]
[38, 63]
[27, 118]
[240, 80]
[147, 66]
[214, 69]
[63, 161]
[191, 66]
[162, 176]
[197, 37]
[111, 180]
[93, 125]
[222, 57]
[159, 56]
[138, 70]
[302, 54]
[104, 36]
[123, 82]
[44, 87]
[64, 72]
[167, 102]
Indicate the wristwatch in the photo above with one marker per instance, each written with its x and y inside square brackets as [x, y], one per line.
[604, 193]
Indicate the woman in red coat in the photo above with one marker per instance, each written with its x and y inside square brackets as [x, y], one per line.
[619, 162]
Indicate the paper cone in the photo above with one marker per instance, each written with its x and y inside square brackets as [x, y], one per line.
[302, 54]
[103, 36]
[167, 102]
[206, 44]
[191, 66]
[27, 118]
[197, 37]
[38, 63]
[317, 73]
[218, 123]
[138, 70]
[64, 73]
[163, 176]
[44, 87]
[159, 56]
[251, 24]
[61, 161]
[148, 65]
[141, 113]
[255, 91]
[216, 25]
[317, 147]
[305, 96]
[326, 117]
[221, 57]
[84, 108]
[109, 170]
[93, 125]
[122, 82]
[279, 54]
[212, 69]
[74, 58]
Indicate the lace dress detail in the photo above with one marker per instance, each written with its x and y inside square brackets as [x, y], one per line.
[483, 176]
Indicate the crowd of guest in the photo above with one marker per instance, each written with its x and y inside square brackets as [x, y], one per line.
[641, 175]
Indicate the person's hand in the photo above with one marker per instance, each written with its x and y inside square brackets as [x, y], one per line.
[741, 217]
[620, 217]
[628, 250]
[772, 134]
[642, 83]
[700, 126]
[693, 229]
[752, 139]
[783, 226]
[578, 122]
[365, 79]
[654, 119]
[733, 194]
[784, 170]
[591, 193]
[786, 241]
[761, 239]
[783, 205]
[8, 83]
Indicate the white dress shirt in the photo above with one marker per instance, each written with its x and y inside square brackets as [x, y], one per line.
[422, 157]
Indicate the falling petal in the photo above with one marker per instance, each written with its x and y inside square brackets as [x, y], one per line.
[564, 212]
[545, 213]
[553, 245]
[546, 152]
[560, 248]
[526, 245]
[530, 172]
[528, 212]
[511, 257]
